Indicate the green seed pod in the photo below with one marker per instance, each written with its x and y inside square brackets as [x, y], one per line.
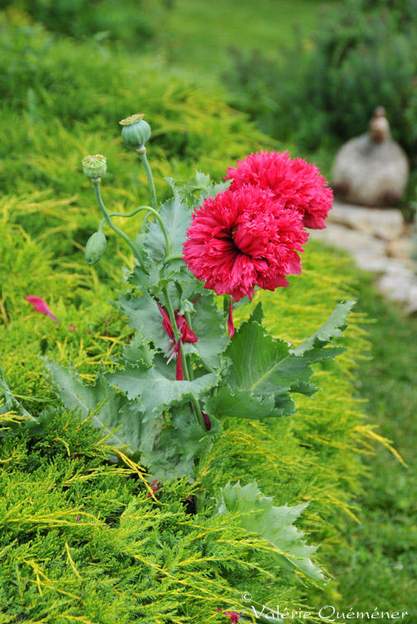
[95, 248]
[94, 166]
[135, 130]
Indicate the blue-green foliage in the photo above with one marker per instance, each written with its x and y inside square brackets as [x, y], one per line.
[134, 23]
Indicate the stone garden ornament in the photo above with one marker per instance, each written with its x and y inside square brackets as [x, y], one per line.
[372, 169]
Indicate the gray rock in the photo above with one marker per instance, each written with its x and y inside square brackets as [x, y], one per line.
[401, 248]
[373, 250]
[387, 224]
[400, 285]
[360, 245]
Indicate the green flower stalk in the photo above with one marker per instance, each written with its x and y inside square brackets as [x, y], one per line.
[135, 133]
[94, 167]
[107, 219]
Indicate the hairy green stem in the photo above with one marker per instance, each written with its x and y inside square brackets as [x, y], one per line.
[174, 258]
[127, 215]
[149, 176]
[177, 336]
[110, 223]
[157, 216]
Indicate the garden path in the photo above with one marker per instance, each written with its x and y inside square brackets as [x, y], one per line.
[379, 242]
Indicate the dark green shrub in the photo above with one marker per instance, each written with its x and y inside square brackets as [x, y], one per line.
[363, 56]
[132, 22]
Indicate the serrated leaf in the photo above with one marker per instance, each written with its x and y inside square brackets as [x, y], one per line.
[112, 414]
[178, 445]
[255, 386]
[208, 324]
[144, 316]
[156, 390]
[214, 189]
[257, 313]
[257, 514]
[74, 394]
[264, 371]
[118, 418]
[138, 352]
[169, 450]
[199, 188]
[228, 403]
[332, 328]
[256, 359]
[176, 216]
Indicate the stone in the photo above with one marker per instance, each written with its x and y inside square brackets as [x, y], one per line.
[366, 250]
[372, 169]
[375, 264]
[379, 245]
[387, 224]
[400, 285]
[401, 248]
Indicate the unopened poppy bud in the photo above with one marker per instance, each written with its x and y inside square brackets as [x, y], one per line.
[94, 166]
[95, 248]
[135, 130]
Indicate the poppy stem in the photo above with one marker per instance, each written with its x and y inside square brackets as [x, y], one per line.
[149, 176]
[117, 230]
[188, 319]
[177, 336]
[155, 213]
[228, 307]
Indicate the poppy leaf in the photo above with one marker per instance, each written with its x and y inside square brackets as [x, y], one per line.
[257, 514]
[264, 371]
[156, 390]
[115, 417]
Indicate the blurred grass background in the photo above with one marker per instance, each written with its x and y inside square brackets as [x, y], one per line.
[198, 35]
[62, 98]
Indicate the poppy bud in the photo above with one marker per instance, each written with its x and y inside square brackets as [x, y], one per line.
[94, 166]
[135, 130]
[95, 248]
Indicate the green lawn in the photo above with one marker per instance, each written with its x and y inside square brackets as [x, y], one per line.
[198, 34]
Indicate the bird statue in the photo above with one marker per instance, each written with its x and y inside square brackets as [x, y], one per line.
[372, 169]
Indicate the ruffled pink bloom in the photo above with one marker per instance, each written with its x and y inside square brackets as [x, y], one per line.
[40, 306]
[296, 183]
[186, 333]
[244, 238]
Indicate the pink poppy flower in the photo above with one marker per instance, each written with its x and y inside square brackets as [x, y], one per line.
[295, 182]
[244, 238]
